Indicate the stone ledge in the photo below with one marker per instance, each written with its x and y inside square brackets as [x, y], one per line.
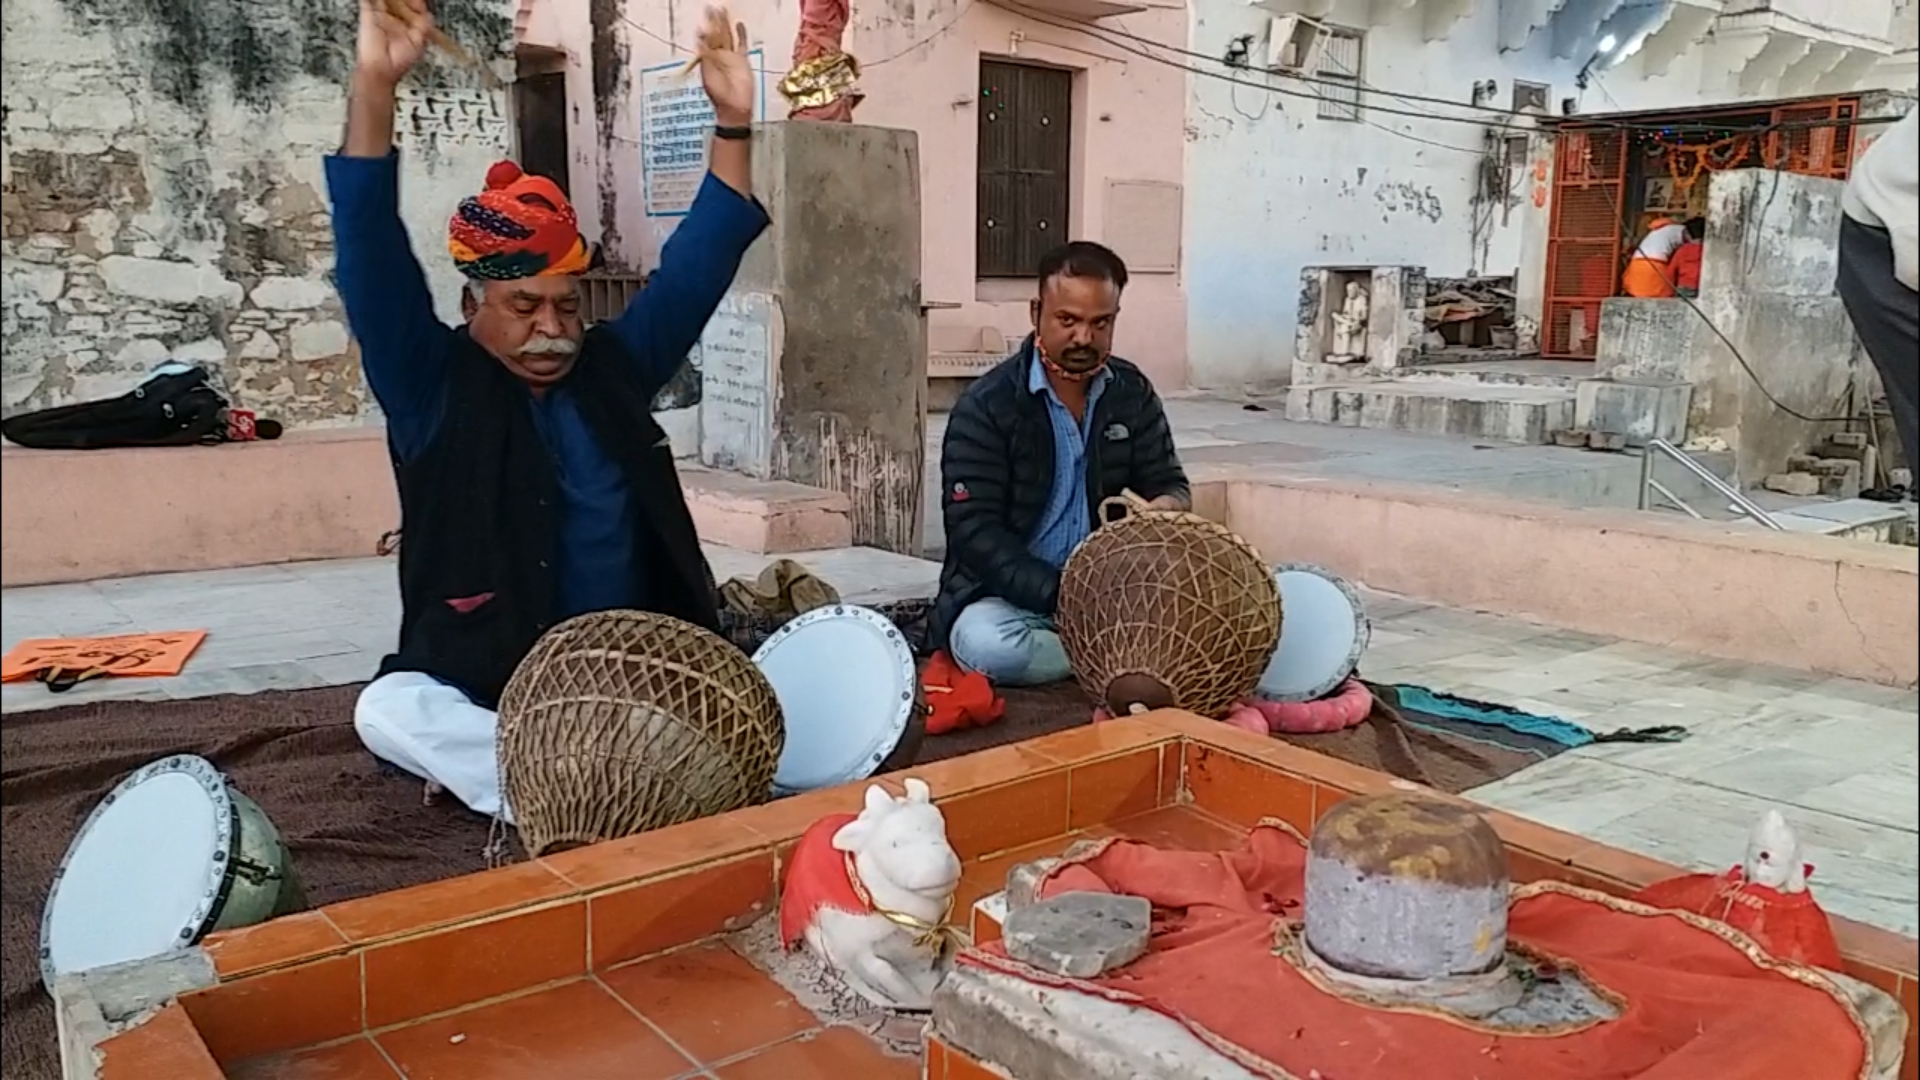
[1810, 603]
[83, 515]
[79, 515]
[766, 517]
[1026, 1030]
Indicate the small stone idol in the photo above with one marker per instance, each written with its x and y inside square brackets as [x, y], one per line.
[871, 895]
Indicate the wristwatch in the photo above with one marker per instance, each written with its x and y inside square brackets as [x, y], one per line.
[722, 131]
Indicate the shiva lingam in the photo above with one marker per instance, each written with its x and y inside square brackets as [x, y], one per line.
[1406, 903]
[871, 896]
[1391, 944]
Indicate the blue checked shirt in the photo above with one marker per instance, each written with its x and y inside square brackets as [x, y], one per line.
[1066, 520]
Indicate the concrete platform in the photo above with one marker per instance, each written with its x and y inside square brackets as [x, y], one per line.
[1524, 412]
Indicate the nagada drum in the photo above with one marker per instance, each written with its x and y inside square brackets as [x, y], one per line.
[1166, 609]
[850, 693]
[1324, 635]
[172, 854]
[618, 722]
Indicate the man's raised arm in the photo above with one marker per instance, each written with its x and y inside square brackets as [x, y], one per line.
[403, 345]
[700, 259]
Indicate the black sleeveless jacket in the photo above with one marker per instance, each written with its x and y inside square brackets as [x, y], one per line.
[479, 511]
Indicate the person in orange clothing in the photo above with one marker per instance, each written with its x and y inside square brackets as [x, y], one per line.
[1685, 264]
[1650, 272]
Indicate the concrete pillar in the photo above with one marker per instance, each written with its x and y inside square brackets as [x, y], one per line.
[815, 369]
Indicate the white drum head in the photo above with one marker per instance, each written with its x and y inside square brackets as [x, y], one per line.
[845, 679]
[1323, 631]
[144, 872]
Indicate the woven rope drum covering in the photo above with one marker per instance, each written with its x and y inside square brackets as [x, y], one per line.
[1166, 609]
[623, 721]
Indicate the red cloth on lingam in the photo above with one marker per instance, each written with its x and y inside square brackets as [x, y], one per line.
[817, 877]
[1791, 926]
[1697, 1004]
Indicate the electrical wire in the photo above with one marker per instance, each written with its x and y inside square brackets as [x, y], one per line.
[918, 43]
[1129, 42]
[1111, 37]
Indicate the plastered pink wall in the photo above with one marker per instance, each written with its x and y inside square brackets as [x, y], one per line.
[1819, 604]
[921, 60]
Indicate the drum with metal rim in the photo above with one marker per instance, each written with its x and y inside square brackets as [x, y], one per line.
[1323, 638]
[850, 694]
[172, 854]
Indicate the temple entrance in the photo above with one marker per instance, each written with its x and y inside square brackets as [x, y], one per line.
[1611, 182]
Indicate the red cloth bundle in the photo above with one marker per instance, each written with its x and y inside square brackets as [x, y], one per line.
[959, 698]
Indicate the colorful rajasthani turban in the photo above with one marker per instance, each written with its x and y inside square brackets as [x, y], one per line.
[520, 227]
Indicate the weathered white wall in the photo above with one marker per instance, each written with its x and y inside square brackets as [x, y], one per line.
[164, 195]
[1272, 188]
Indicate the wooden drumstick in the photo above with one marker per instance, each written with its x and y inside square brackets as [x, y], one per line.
[439, 39]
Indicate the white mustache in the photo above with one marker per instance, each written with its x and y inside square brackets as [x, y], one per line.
[542, 345]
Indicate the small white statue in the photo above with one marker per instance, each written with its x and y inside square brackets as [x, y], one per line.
[872, 895]
[1350, 326]
[1773, 855]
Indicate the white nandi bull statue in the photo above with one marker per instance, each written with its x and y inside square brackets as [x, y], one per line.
[871, 895]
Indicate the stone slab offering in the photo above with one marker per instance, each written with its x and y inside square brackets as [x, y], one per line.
[1080, 935]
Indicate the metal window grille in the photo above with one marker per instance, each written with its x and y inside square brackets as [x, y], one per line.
[1339, 73]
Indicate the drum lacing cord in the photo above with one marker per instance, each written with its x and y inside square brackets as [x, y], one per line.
[498, 852]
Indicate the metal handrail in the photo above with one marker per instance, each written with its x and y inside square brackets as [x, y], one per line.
[1740, 502]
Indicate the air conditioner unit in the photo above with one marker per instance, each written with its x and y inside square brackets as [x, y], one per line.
[1530, 97]
[1295, 44]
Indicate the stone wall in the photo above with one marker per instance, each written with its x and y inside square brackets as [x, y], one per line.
[164, 197]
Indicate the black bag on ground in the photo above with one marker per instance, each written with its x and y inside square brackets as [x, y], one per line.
[170, 409]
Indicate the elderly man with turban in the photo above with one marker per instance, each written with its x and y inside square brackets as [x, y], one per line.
[534, 482]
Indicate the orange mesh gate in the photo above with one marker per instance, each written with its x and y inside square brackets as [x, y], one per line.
[1583, 238]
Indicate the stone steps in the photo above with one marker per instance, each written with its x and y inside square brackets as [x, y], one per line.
[1526, 413]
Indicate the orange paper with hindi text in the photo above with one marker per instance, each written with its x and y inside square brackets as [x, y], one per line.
[128, 654]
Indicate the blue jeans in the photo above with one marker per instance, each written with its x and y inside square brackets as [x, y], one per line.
[1011, 647]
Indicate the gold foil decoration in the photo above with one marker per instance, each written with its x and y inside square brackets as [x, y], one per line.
[821, 81]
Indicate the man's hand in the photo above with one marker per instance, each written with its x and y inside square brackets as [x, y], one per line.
[390, 44]
[1169, 502]
[724, 70]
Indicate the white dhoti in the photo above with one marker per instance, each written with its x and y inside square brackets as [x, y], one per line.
[418, 723]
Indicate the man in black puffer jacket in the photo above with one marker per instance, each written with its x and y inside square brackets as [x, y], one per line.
[1031, 449]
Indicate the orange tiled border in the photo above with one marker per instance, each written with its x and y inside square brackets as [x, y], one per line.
[393, 958]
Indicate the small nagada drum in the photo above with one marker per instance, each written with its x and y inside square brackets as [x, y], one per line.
[619, 722]
[169, 856]
[1326, 632]
[1164, 609]
[847, 687]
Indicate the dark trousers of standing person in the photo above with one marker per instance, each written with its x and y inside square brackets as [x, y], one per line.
[1886, 315]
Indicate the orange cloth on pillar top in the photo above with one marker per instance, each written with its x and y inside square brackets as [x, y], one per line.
[1700, 1002]
[521, 226]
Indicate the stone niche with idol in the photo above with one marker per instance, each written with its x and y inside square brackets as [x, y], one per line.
[1356, 321]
